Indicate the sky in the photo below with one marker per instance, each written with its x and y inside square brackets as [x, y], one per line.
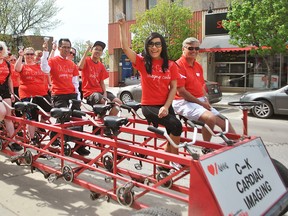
[82, 20]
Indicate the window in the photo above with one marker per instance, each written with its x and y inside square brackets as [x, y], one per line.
[150, 3]
[127, 4]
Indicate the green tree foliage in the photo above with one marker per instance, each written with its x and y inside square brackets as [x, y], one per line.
[20, 16]
[259, 23]
[170, 20]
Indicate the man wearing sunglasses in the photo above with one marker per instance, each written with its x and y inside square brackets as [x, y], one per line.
[191, 101]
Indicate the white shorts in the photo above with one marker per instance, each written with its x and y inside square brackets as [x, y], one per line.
[191, 111]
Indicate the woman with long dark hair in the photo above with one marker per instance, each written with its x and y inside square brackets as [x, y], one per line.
[159, 84]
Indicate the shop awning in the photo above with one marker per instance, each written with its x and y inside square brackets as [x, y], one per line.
[219, 44]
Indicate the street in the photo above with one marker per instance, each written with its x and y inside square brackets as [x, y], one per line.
[25, 193]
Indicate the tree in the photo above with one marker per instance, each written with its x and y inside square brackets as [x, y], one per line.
[19, 16]
[169, 19]
[262, 24]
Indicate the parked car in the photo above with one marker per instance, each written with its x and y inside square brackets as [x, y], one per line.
[273, 102]
[134, 92]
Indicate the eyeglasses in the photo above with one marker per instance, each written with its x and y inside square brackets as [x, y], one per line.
[156, 44]
[31, 54]
[72, 53]
[193, 48]
[13, 60]
[1, 48]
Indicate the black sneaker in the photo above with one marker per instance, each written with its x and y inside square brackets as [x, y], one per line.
[82, 151]
[160, 168]
[15, 147]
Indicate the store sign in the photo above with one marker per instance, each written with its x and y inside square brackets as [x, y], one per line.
[244, 179]
[213, 24]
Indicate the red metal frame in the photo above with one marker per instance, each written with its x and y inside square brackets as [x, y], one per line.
[133, 142]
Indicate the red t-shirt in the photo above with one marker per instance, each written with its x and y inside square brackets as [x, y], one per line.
[32, 81]
[155, 86]
[92, 74]
[4, 72]
[191, 77]
[61, 73]
[15, 76]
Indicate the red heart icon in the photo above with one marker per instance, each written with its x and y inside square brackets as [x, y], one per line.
[211, 169]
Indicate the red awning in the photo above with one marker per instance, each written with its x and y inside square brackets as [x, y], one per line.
[220, 44]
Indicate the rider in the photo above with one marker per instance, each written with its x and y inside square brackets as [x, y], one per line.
[93, 75]
[6, 94]
[159, 84]
[191, 101]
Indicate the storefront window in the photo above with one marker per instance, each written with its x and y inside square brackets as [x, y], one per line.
[233, 69]
[230, 68]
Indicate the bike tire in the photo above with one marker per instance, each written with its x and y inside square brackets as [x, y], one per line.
[283, 173]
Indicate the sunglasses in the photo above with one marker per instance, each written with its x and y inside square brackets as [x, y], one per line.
[72, 53]
[156, 44]
[13, 60]
[193, 48]
[31, 54]
[1, 48]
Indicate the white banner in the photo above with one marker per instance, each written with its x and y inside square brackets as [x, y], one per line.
[244, 179]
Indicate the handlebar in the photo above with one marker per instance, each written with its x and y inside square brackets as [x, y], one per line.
[181, 145]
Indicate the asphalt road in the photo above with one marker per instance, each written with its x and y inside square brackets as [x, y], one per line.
[24, 193]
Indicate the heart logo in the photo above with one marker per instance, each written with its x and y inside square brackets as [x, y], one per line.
[211, 169]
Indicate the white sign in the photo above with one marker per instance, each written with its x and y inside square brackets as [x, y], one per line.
[244, 179]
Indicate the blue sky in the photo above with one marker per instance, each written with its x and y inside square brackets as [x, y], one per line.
[82, 20]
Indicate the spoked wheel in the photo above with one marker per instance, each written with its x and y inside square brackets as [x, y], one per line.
[28, 157]
[126, 97]
[108, 162]
[67, 150]
[125, 198]
[162, 175]
[68, 174]
[264, 110]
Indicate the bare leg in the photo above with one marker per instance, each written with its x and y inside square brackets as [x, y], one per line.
[114, 111]
[171, 149]
[209, 119]
[8, 123]
[221, 123]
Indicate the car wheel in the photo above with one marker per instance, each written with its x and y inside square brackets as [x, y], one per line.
[264, 110]
[126, 97]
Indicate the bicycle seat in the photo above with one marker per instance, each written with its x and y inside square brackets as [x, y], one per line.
[101, 109]
[134, 105]
[24, 106]
[114, 122]
[60, 113]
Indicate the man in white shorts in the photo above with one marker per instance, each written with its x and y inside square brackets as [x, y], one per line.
[191, 101]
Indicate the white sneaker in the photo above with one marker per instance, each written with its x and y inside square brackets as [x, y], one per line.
[176, 166]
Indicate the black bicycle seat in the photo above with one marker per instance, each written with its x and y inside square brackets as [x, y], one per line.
[101, 109]
[133, 104]
[24, 106]
[60, 113]
[114, 122]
